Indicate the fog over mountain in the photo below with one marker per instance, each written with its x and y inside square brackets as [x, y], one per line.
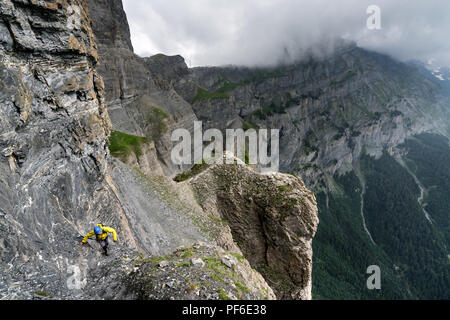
[253, 32]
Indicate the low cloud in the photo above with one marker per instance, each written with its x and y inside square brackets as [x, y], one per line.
[262, 32]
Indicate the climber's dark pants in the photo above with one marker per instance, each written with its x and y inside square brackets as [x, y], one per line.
[104, 244]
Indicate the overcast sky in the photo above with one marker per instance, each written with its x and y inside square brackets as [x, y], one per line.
[253, 32]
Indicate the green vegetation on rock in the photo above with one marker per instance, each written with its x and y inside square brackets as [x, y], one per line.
[227, 85]
[195, 170]
[266, 111]
[203, 94]
[41, 293]
[122, 144]
[247, 125]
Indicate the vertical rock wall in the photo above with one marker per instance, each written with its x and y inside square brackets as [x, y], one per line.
[53, 140]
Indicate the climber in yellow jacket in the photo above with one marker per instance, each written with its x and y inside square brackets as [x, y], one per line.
[101, 233]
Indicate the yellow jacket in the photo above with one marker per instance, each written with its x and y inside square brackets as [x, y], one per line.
[106, 232]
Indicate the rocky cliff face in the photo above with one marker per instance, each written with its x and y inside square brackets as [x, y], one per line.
[272, 218]
[54, 129]
[328, 110]
[140, 97]
[57, 178]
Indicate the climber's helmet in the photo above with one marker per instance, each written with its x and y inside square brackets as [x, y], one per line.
[98, 230]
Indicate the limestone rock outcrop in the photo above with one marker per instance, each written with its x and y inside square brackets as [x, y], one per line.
[272, 218]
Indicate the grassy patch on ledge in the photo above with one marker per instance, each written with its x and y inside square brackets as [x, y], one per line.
[123, 144]
[41, 293]
[205, 94]
[195, 170]
[226, 85]
[267, 111]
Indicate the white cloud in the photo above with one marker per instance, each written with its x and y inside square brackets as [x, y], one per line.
[216, 32]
